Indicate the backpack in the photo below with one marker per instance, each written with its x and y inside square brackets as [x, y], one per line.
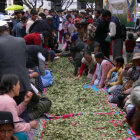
[120, 28]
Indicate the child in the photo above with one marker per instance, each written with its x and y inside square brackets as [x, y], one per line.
[129, 45]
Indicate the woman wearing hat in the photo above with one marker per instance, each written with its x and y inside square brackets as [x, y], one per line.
[131, 72]
[7, 126]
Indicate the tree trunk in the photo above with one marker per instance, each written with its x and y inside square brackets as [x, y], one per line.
[2, 6]
[18, 2]
[99, 4]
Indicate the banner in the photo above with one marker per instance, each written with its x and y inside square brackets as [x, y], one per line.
[125, 10]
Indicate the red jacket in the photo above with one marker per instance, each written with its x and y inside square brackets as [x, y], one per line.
[34, 39]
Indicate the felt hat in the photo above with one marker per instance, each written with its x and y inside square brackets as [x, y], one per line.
[136, 56]
[7, 118]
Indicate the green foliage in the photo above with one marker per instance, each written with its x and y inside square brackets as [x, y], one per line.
[64, 94]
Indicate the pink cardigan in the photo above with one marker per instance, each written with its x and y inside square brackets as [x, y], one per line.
[105, 68]
[8, 104]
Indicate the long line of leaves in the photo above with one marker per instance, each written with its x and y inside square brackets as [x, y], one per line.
[64, 95]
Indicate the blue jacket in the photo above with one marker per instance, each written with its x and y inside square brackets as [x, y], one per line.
[56, 22]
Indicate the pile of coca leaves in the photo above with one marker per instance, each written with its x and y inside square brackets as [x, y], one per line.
[69, 96]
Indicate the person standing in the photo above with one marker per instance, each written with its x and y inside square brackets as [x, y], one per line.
[97, 19]
[13, 61]
[17, 19]
[33, 18]
[115, 34]
[101, 34]
[56, 22]
[20, 29]
[46, 12]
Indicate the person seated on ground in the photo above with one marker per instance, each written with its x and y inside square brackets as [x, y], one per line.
[92, 45]
[9, 88]
[87, 60]
[36, 82]
[132, 118]
[7, 127]
[38, 104]
[130, 74]
[41, 40]
[102, 68]
[110, 82]
[127, 101]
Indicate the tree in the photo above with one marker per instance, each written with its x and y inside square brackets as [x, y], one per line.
[58, 4]
[18, 2]
[32, 4]
[93, 4]
[2, 6]
[99, 4]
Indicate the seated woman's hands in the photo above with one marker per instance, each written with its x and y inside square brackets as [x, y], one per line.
[33, 124]
[27, 98]
[107, 84]
[98, 87]
[106, 81]
[128, 66]
[91, 83]
[77, 78]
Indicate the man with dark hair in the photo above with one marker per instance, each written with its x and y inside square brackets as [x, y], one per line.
[56, 21]
[97, 19]
[42, 16]
[18, 16]
[46, 12]
[20, 28]
[115, 34]
[102, 32]
[33, 18]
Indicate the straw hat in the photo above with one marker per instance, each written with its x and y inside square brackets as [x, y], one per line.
[138, 39]
[136, 56]
[135, 96]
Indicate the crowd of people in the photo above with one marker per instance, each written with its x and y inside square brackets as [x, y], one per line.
[31, 40]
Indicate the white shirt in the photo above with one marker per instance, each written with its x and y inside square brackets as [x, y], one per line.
[28, 25]
[112, 28]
